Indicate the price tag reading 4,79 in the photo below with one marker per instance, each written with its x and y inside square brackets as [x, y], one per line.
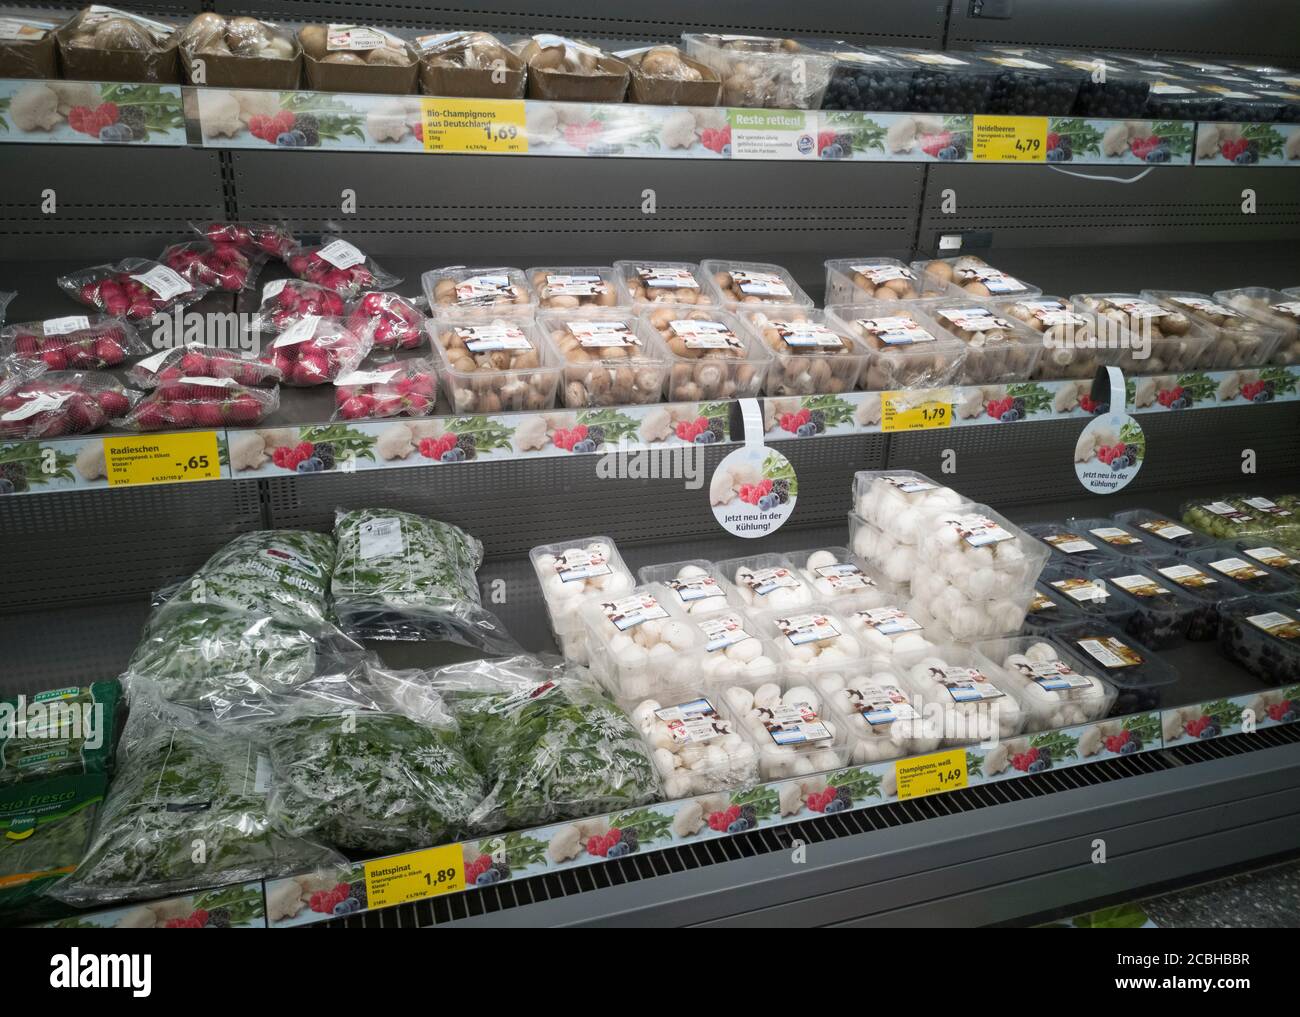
[497, 126]
[162, 458]
[415, 876]
[925, 775]
[912, 411]
[1009, 139]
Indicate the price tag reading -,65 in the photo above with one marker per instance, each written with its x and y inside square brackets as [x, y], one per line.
[1009, 139]
[162, 458]
[415, 875]
[900, 411]
[924, 775]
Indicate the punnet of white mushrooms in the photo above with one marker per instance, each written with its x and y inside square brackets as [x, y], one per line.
[835, 576]
[694, 747]
[893, 559]
[696, 587]
[809, 642]
[767, 582]
[964, 686]
[896, 501]
[786, 722]
[889, 634]
[980, 553]
[881, 716]
[949, 609]
[638, 645]
[1055, 688]
[732, 651]
[570, 575]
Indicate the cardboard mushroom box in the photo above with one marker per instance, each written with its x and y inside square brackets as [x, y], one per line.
[353, 58]
[239, 52]
[105, 44]
[27, 48]
[568, 70]
[664, 76]
[470, 64]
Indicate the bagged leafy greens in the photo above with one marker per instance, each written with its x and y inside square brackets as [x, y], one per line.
[44, 829]
[58, 731]
[552, 746]
[281, 573]
[403, 576]
[187, 809]
[380, 774]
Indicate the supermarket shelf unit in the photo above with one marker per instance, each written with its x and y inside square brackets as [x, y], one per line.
[80, 566]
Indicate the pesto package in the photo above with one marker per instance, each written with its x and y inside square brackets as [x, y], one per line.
[403, 576]
[44, 829]
[58, 731]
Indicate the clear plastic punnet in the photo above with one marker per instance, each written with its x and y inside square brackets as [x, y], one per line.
[1150, 338]
[490, 292]
[971, 276]
[889, 633]
[639, 645]
[1057, 687]
[767, 582]
[1108, 88]
[1142, 680]
[490, 365]
[646, 281]
[1273, 307]
[947, 82]
[573, 288]
[1160, 530]
[977, 702]
[876, 280]
[1237, 339]
[896, 501]
[696, 586]
[999, 349]
[1087, 593]
[759, 72]
[1030, 84]
[1070, 349]
[1245, 571]
[1196, 580]
[981, 553]
[712, 353]
[884, 553]
[905, 347]
[1281, 559]
[696, 745]
[1119, 538]
[1165, 613]
[1237, 515]
[734, 283]
[808, 642]
[1262, 634]
[837, 576]
[789, 724]
[1048, 608]
[733, 650]
[879, 712]
[1070, 545]
[610, 359]
[571, 573]
[811, 355]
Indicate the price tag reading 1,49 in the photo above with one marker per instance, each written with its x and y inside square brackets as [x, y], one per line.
[1009, 139]
[924, 775]
[415, 876]
[496, 126]
[908, 411]
[162, 458]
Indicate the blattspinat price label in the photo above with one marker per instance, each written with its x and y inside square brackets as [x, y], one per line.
[162, 458]
[495, 126]
[1009, 139]
[415, 876]
[905, 411]
[926, 775]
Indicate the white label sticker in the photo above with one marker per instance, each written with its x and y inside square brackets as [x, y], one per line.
[968, 685]
[1205, 306]
[62, 326]
[356, 378]
[1291, 308]
[1110, 652]
[1273, 557]
[629, 612]
[896, 330]
[355, 39]
[993, 280]
[978, 530]
[974, 319]
[483, 289]
[795, 724]
[666, 277]
[151, 364]
[13, 30]
[575, 285]
[597, 335]
[1238, 569]
[1272, 508]
[804, 334]
[889, 621]
[722, 631]
[1139, 308]
[706, 335]
[298, 332]
[760, 284]
[1140, 586]
[694, 722]
[844, 577]
[1057, 676]
[1116, 536]
[490, 338]
[879, 704]
[273, 289]
[1069, 543]
[807, 628]
[381, 538]
[909, 485]
[41, 402]
[1085, 591]
[163, 281]
[691, 590]
[341, 254]
[1187, 575]
[764, 581]
[1275, 623]
[580, 564]
[1165, 528]
[884, 273]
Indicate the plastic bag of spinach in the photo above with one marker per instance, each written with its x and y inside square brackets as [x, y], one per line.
[281, 573]
[232, 663]
[552, 745]
[44, 829]
[187, 809]
[380, 774]
[58, 731]
[404, 576]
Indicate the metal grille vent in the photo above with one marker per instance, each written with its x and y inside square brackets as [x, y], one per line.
[539, 888]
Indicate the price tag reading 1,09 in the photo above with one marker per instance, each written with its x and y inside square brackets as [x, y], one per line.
[162, 458]
[924, 775]
[415, 876]
[497, 126]
[1009, 139]
[903, 411]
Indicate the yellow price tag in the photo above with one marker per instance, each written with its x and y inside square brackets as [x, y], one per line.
[497, 126]
[162, 458]
[415, 875]
[1009, 139]
[915, 411]
[925, 775]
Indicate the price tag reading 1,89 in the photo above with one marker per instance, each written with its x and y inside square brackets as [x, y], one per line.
[415, 876]
[475, 125]
[1009, 139]
[162, 458]
[904, 411]
[924, 775]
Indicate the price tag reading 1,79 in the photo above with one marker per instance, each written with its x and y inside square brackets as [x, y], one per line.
[1009, 139]
[497, 126]
[162, 458]
[908, 411]
[925, 775]
[415, 876]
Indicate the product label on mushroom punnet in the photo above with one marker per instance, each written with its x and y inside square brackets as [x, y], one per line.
[1205, 306]
[1109, 651]
[1238, 569]
[1291, 308]
[381, 538]
[764, 581]
[595, 335]
[880, 704]
[1275, 623]
[690, 590]
[299, 332]
[796, 724]
[341, 254]
[760, 284]
[807, 628]
[994, 280]
[1140, 308]
[662, 277]
[1140, 586]
[1083, 590]
[578, 563]
[978, 531]
[909, 485]
[844, 576]
[575, 285]
[62, 326]
[13, 30]
[490, 338]
[354, 38]
[1115, 535]
[163, 281]
[1069, 543]
[1165, 528]
[629, 612]
[884, 273]
[973, 319]
[483, 289]
[693, 722]
[968, 685]
[1273, 557]
[1187, 575]
[896, 330]
[1052, 312]
[889, 621]
[805, 334]
[723, 631]
[706, 335]
[1265, 505]
[1058, 676]
[41, 402]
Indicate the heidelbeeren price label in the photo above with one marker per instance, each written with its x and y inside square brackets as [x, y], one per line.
[495, 126]
[925, 775]
[1009, 139]
[162, 458]
[415, 876]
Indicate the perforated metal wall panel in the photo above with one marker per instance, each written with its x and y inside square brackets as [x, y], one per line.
[68, 646]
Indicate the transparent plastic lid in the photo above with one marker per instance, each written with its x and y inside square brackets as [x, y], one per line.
[1116, 537]
[575, 287]
[868, 280]
[503, 291]
[767, 582]
[752, 282]
[978, 702]
[646, 281]
[790, 725]
[1196, 581]
[494, 364]
[971, 276]
[695, 586]
[1087, 592]
[809, 640]
[1163, 530]
[639, 643]
[1072, 545]
[695, 745]
[896, 501]
[1123, 661]
[1248, 572]
[837, 576]
[890, 632]
[1050, 676]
